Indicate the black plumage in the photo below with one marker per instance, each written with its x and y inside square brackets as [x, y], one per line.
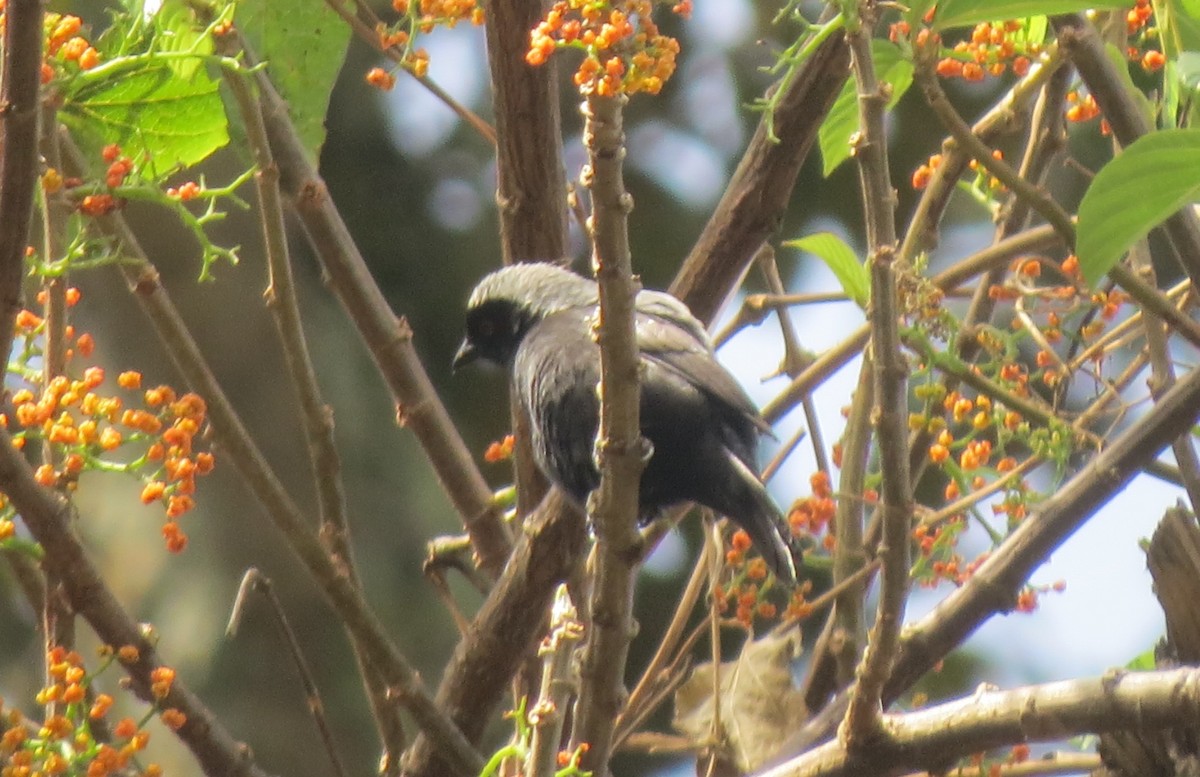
[538, 319]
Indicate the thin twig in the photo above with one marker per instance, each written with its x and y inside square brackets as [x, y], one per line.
[368, 35]
[256, 582]
[388, 338]
[549, 712]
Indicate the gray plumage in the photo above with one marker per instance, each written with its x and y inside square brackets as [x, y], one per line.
[537, 319]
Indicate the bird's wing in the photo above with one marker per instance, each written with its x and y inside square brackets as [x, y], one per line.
[664, 342]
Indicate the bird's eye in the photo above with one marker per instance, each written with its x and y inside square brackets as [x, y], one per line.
[487, 328]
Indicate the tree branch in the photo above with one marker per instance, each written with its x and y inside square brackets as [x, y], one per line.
[620, 448]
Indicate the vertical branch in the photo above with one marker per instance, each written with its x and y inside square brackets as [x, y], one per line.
[531, 193]
[388, 337]
[57, 618]
[891, 390]
[316, 416]
[19, 113]
[849, 555]
[548, 714]
[620, 449]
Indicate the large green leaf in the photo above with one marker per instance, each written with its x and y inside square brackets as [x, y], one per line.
[1136, 191]
[150, 111]
[963, 13]
[842, 121]
[303, 43]
[840, 258]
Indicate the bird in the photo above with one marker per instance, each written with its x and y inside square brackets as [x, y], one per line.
[537, 320]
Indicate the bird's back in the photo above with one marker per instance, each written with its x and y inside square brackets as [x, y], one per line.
[692, 411]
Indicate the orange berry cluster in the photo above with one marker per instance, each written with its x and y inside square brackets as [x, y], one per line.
[64, 742]
[812, 515]
[938, 558]
[624, 52]
[1142, 34]
[991, 50]
[983, 180]
[66, 48]
[417, 18]
[746, 591]
[83, 425]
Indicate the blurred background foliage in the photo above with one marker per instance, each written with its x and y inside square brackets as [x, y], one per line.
[416, 188]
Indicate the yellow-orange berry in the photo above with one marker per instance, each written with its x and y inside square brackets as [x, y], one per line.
[100, 706]
[381, 79]
[130, 379]
[173, 718]
[153, 492]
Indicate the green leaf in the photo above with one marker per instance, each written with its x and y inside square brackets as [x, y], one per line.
[965, 13]
[1187, 71]
[150, 111]
[1143, 662]
[842, 121]
[1136, 191]
[840, 258]
[303, 43]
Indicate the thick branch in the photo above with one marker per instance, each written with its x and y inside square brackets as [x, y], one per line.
[891, 388]
[934, 738]
[19, 112]
[505, 627]
[619, 445]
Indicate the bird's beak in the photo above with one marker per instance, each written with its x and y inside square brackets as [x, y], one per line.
[465, 355]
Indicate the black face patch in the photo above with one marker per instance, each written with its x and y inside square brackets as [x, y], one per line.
[494, 329]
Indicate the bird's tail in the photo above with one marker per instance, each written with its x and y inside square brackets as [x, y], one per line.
[756, 513]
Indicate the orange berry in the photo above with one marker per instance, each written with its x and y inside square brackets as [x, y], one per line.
[175, 538]
[173, 718]
[125, 728]
[45, 475]
[153, 492]
[100, 706]
[381, 79]
[179, 504]
[1153, 61]
[130, 380]
[89, 58]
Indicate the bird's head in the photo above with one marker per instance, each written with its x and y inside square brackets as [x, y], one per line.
[506, 303]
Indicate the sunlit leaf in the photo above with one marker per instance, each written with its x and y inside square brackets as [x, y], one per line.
[842, 121]
[303, 43]
[840, 258]
[963, 13]
[1136, 191]
[150, 112]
